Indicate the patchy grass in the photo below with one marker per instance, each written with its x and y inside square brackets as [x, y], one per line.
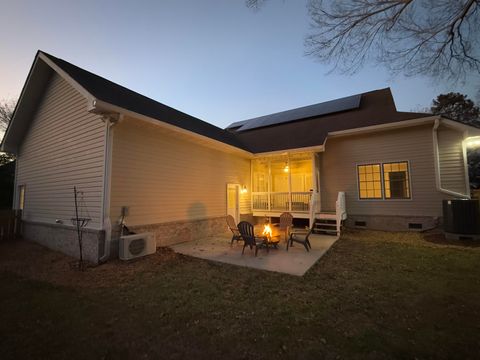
[373, 295]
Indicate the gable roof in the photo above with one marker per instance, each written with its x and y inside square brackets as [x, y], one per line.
[114, 94]
[302, 127]
[99, 88]
[374, 108]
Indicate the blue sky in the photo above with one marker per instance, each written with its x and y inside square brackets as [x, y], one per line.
[214, 59]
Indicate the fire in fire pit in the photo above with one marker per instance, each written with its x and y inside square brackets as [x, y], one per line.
[267, 231]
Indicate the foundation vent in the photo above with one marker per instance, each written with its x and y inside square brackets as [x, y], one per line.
[415, 226]
[361, 223]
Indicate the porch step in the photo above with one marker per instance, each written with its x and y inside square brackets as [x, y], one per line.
[325, 226]
[326, 216]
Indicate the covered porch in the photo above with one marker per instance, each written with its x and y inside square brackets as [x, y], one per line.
[286, 182]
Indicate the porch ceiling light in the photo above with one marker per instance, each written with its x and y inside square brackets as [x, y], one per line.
[286, 168]
[472, 142]
[243, 190]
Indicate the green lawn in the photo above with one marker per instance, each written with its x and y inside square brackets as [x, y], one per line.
[373, 295]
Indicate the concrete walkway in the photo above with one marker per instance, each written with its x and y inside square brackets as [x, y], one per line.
[295, 262]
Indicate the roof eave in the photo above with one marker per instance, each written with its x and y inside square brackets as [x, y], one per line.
[102, 107]
[9, 143]
[316, 148]
[90, 98]
[381, 127]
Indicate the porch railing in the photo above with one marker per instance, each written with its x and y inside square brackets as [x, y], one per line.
[281, 201]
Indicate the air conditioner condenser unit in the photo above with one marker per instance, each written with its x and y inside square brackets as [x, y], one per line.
[136, 245]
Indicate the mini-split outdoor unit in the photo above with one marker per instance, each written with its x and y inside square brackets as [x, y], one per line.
[136, 245]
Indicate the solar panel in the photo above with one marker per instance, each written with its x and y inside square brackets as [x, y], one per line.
[328, 107]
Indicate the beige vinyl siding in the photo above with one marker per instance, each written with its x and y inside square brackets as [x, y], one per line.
[451, 161]
[64, 147]
[163, 176]
[246, 200]
[339, 162]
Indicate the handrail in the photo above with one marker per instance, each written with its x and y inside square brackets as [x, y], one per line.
[340, 210]
[266, 199]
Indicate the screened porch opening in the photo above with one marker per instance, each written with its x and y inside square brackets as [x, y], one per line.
[282, 183]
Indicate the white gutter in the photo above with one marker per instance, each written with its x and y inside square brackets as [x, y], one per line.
[437, 165]
[465, 162]
[109, 120]
[381, 127]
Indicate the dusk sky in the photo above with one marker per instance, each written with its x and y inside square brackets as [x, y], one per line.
[213, 59]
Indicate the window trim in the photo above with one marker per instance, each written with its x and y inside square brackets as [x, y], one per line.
[381, 181]
[19, 197]
[408, 179]
[383, 198]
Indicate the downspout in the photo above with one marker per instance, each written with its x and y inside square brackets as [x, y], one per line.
[109, 120]
[437, 165]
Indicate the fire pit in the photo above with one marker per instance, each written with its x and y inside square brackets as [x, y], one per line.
[270, 231]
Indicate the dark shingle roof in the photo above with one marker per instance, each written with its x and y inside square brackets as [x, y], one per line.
[375, 108]
[118, 95]
[297, 128]
[305, 112]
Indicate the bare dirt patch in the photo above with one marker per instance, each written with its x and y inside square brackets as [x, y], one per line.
[33, 261]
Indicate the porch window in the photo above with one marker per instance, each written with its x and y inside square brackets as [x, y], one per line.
[369, 181]
[282, 183]
[279, 197]
[395, 179]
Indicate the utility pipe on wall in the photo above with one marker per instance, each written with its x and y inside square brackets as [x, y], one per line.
[109, 120]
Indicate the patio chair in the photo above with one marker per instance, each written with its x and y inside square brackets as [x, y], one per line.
[301, 237]
[233, 228]
[249, 239]
[286, 223]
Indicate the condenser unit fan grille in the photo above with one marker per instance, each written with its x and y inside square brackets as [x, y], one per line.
[137, 246]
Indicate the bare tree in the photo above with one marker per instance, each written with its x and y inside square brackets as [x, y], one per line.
[254, 4]
[437, 38]
[6, 112]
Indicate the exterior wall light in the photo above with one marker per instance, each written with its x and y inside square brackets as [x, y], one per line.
[244, 189]
[472, 142]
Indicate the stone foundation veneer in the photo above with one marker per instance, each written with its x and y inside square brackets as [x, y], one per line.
[64, 238]
[392, 223]
[177, 231]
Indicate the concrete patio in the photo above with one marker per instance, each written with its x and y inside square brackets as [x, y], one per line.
[294, 262]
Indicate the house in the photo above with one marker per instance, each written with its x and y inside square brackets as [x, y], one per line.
[178, 176]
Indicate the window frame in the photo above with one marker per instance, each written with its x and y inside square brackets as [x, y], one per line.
[383, 198]
[381, 181]
[407, 179]
[19, 199]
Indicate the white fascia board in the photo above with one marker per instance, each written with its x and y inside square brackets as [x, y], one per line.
[468, 130]
[104, 107]
[6, 135]
[90, 98]
[382, 127]
[317, 148]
